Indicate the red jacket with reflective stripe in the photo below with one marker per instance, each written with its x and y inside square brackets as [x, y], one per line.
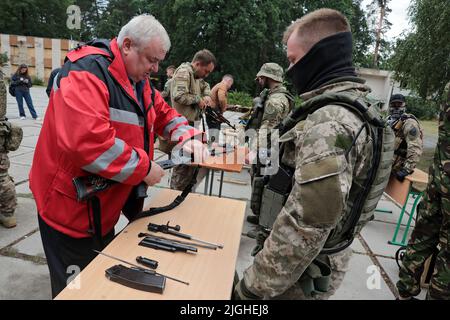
[94, 125]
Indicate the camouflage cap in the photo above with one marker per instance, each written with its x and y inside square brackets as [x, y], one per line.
[271, 70]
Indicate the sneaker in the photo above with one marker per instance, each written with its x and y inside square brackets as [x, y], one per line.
[37, 119]
[253, 219]
[22, 118]
[8, 222]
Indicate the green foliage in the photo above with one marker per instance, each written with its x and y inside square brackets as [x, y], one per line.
[422, 59]
[42, 18]
[37, 81]
[242, 34]
[3, 59]
[240, 98]
[421, 108]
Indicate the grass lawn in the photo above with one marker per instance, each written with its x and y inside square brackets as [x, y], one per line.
[430, 127]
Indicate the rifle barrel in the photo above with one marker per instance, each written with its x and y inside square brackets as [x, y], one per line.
[141, 268]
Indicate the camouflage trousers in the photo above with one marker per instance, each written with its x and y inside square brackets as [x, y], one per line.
[339, 263]
[432, 231]
[8, 200]
[182, 176]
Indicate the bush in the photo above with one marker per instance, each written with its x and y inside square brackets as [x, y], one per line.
[37, 81]
[421, 108]
[240, 98]
[3, 59]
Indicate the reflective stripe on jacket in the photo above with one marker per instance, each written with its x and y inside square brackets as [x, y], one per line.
[94, 124]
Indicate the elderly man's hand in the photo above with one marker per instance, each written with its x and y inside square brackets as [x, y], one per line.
[197, 148]
[155, 174]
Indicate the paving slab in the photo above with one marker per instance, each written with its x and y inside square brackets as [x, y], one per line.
[354, 285]
[23, 190]
[24, 159]
[357, 246]
[26, 216]
[29, 141]
[19, 172]
[23, 280]
[244, 259]
[22, 150]
[377, 234]
[31, 246]
[394, 216]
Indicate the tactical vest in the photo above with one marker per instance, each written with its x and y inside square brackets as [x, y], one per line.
[258, 112]
[363, 199]
[400, 145]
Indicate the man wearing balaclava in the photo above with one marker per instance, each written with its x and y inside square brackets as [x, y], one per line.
[339, 153]
[408, 137]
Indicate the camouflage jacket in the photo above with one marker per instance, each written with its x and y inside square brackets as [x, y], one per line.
[318, 202]
[2, 97]
[276, 108]
[442, 154]
[408, 143]
[166, 92]
[186, 92]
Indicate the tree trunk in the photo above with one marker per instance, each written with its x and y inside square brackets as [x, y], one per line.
[378, 36]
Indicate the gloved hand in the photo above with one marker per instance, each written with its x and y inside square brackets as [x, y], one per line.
[242, 293]
[260, 238]
[401, 174]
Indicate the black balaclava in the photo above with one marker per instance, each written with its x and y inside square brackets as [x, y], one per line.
[328, 59]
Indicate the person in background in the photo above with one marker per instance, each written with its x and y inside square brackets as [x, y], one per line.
[22, 84]
[166, 93]
[219, 104]
[51, 80]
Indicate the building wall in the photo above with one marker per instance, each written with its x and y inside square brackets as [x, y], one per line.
[382, 84]
[42, 55]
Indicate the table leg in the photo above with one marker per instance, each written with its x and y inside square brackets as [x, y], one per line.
[206, 182]
[212, 181]
[221, 183]
[399, 223]
[411, 215]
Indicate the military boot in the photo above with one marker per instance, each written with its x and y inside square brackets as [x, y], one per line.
[8, 222]
[254, 232]
[253, 219]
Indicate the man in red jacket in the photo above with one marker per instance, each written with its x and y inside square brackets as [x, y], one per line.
[101, 119]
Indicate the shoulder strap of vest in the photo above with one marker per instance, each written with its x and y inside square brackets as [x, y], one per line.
[301, 112]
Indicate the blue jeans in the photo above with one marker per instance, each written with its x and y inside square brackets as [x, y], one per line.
[26, 95]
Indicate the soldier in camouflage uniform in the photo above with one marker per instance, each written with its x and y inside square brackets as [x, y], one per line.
[331, 151]
[408, 137]
[432, 229]
[190, 94]
[10, 138]
[166, 93]
[276, 103]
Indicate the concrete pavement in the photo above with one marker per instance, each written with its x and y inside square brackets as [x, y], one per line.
[22, 261]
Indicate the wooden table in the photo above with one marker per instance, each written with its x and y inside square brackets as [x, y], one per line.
[399, 193]
[209, 272]
[230, 162]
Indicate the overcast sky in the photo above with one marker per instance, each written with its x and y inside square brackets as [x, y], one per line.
[398, 17]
